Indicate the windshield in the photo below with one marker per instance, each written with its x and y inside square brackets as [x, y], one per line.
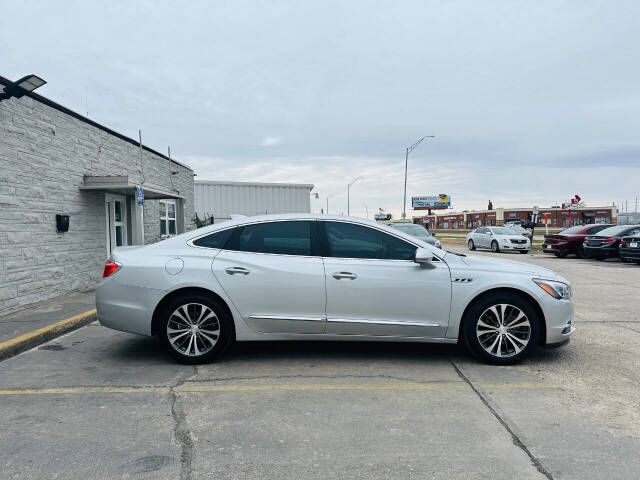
[613, 231]
[412, 229]
[504, 231]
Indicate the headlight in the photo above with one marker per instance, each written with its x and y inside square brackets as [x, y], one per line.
[438, 244]
[555, 289]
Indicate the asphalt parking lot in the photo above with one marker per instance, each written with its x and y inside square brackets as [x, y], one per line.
[102, 404]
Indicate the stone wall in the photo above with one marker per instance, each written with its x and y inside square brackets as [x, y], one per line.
[44, 154]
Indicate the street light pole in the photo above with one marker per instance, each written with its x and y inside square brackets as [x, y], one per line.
[348, 192]
[406, 165]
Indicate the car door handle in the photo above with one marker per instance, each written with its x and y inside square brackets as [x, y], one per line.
[349, 275]
[234, 270]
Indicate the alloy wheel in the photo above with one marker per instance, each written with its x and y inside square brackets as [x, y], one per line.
[193, 329]
[503, 330]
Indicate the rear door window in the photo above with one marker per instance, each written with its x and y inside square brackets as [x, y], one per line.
[282, 238]
[214, 240]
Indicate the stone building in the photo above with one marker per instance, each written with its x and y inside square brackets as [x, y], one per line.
[56, 163]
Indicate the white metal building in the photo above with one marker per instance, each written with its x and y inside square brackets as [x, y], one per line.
[220, 200]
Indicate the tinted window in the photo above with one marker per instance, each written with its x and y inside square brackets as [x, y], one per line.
[284, 238]
[614, 231]
[482, 230]
[215, 240]
[347, 240]
[594, 230]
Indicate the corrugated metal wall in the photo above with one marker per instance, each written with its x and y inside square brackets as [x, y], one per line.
[221, 200]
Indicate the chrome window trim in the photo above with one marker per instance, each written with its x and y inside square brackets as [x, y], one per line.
[191, 240]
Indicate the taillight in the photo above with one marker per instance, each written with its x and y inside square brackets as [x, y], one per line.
[110, 268]
[609, 240]
[623, 243]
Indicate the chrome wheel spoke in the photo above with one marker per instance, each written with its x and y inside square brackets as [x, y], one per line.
[503, 330]
[193, 329]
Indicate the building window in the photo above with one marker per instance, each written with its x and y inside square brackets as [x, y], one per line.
[167, 218]
[603, 220]
[446, 224]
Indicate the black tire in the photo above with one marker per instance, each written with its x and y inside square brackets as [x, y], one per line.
[494, 247]
[580, 252]
[600, 259]
[561, 255]
[523, 251]
[193, 303]
[480, 310]
[471, 245]
[637, 263]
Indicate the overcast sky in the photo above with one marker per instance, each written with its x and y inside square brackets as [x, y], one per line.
[530, 102]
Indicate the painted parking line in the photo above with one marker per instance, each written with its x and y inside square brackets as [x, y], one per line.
[199, 388]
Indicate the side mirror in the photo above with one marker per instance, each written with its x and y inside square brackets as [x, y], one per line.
[433, 234]
[423, 256]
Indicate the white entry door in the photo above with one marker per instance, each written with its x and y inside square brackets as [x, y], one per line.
[116, 217]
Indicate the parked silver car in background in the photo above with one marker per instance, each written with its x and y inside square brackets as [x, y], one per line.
[498, 239]
[417, 231]
[320, 277]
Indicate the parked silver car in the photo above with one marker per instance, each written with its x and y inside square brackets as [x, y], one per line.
[320, 277]
[498, 239]
[417, 231]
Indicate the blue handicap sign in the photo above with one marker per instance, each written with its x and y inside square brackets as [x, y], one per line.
[140, 195]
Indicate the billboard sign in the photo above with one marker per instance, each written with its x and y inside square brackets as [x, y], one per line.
[433, 202]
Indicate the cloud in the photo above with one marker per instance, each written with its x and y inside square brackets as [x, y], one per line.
[271, 141]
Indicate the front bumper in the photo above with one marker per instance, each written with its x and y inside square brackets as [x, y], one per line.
[559, 317]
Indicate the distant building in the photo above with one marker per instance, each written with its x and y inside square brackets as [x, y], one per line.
[557, 217]
[220, 200]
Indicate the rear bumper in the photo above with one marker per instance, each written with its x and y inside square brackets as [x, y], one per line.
[560, 249]
[596, 252]
[124, 307]
[630, 253]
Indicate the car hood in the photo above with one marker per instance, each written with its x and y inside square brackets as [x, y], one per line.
[511, 237]
[480, 262]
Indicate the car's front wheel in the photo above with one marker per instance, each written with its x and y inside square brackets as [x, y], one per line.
[471, 245]
[501, 328]
[494, 247]
[195, 328]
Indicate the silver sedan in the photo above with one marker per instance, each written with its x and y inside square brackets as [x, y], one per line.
[319, 277]
[498, 239]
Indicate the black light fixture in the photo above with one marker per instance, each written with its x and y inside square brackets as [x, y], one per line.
[19, 88]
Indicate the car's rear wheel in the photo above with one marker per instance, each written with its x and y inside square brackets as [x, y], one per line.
[560, 255]
[471, 245]
[494, 247]
[580, 252]
[501, 328]
[195, 328]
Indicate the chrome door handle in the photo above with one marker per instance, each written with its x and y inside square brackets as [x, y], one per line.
[349, 275]
[234, 270]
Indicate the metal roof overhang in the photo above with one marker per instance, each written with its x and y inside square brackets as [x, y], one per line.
[120, 185]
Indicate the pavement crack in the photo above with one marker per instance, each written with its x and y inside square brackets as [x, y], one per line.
[181, 431]
[517, 441]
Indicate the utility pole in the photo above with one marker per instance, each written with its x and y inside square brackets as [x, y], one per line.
[348, 193]
[406, 165]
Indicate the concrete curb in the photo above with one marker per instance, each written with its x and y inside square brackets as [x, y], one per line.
[19, 344]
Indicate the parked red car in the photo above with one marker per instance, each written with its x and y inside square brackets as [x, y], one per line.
[570, 241]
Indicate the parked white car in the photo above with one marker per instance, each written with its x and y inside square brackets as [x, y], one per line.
[320, 277]
[498, 239]
[417, 231]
